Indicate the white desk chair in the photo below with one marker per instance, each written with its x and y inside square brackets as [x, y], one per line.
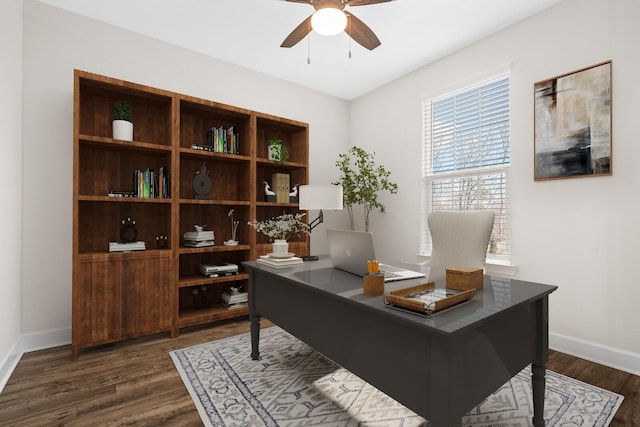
[460, 239]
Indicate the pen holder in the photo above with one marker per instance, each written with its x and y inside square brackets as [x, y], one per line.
[373, 284]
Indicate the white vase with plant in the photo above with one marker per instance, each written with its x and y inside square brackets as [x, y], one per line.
[277, 151]
[280, 229]
[122, 125]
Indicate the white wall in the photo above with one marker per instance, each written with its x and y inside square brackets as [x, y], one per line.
[56, 42]
[578, 234]
[10, 184]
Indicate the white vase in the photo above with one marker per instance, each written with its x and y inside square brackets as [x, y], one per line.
[280, 247]
[273, 153]
[123, 130]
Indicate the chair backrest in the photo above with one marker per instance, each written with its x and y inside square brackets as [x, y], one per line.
[460, 239]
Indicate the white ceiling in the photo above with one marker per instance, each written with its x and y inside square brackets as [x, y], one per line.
[249, 33]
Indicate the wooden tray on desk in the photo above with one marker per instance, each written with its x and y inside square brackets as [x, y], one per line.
[427, 299]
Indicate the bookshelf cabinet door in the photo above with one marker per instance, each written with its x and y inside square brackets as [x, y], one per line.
[120, 296]
[91, 289]
[142, 294]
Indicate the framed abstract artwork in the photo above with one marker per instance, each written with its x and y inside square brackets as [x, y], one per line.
[572, 122]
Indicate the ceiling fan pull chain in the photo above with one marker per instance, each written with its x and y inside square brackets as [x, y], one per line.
[309, 49]
[349, 38]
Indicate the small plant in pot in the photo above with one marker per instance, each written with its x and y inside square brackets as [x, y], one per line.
[122, 126]
[277, 151]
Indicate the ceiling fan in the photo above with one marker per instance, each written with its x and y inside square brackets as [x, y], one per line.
[332, 12]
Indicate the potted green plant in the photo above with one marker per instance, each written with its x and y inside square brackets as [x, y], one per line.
[278, 151]
[361, 181]
[122, 125]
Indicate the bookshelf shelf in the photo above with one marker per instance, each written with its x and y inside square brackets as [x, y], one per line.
[216, 248]
[215, 202]
[117, 144]
[110, 199]
[190, 281]
[124, 294]
[216, 313]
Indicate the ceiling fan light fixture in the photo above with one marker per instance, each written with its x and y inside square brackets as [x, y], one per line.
[329, 21]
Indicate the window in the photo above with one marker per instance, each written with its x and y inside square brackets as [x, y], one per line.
[465, 151]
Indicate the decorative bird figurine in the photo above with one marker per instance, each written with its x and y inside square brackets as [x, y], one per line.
[267, 189]
[294, 192]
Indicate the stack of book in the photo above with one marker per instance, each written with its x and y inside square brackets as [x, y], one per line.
[280, 184]
[235, 299]
[151, 184]
[219, 269]
[223, 140]
[198, 239]
[125, 247]
[279, 262]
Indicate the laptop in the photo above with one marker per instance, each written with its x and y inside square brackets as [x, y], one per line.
[350, 251]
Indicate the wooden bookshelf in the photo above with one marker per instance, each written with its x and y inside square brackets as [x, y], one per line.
[120, 295]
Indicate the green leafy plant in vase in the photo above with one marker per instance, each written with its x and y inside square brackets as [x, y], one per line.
[122, 125]
[278, 151]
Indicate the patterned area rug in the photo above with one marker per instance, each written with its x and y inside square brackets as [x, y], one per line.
[293, 385]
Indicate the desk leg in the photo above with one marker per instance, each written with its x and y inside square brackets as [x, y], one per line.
[254, 319]
[538, 384]
[255, 336]
[538, 370]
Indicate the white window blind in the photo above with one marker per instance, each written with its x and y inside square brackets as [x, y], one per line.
[466, 156]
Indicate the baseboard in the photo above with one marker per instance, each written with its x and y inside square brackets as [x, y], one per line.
[10, 362]
[608, 356]
[31, 342]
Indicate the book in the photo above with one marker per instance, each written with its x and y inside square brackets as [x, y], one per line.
[199, 235]
[280, 185]
[235, 306]
[119, 193]
[235, 298]
[198, 239]
[199, 243]
[279, 262]
[124, 247]
[220, 140]
[151, 184]
[218, 267]
[221, 274]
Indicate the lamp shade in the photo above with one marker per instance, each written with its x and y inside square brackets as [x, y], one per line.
[328, 21]
[318, 197]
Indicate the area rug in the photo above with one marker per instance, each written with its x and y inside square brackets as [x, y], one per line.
[294, 385]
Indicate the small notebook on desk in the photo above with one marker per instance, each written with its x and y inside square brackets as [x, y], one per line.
[350, 251]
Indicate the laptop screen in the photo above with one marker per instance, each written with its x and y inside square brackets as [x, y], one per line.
[350, 251]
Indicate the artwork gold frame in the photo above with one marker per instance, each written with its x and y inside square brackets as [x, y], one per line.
[572, 124]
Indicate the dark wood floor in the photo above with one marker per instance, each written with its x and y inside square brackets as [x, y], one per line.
[135, 383]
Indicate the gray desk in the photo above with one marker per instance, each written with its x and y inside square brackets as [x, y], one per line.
[440, 367]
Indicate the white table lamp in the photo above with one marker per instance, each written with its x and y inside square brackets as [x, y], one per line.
[318, 197]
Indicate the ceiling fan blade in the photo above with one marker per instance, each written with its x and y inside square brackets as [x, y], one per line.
[301, 1]
[362, 2]
[362, 34]
[298, 33]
